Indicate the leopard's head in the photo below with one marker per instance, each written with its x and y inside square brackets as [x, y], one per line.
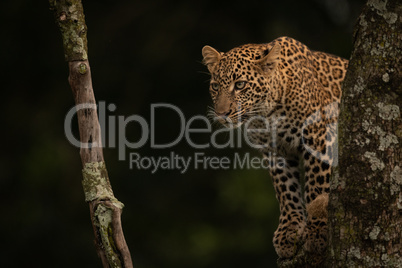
[241, 81]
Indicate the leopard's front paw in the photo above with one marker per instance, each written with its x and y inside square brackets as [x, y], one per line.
[287, 238]
[315, 235]
[316, 232]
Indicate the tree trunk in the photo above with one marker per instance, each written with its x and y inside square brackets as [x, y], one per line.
[105, 209]
[365, 206]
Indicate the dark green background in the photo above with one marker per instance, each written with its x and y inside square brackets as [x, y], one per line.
[141, 52]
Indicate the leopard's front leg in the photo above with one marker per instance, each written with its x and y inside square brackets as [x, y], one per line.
[289, 233]
[316, 193]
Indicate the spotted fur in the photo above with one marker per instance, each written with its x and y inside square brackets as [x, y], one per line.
[294, 92]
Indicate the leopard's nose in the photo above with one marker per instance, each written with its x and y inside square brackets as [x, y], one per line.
[223, 114]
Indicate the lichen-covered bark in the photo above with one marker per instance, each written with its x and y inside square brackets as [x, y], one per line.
[366, 192]
[69, 16]
[97, 189]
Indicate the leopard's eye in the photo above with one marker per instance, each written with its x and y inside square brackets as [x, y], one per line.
[239, 85]
[215, 86]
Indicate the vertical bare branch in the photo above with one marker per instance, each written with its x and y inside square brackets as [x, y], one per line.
[105, 209]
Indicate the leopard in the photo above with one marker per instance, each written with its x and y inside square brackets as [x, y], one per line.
[286, 97]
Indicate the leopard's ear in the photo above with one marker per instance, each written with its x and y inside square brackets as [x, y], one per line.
[269, 61]
[211, 57]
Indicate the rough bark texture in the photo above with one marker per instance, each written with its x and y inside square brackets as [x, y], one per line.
[366, 198]
[69, 16]
[105, 209]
